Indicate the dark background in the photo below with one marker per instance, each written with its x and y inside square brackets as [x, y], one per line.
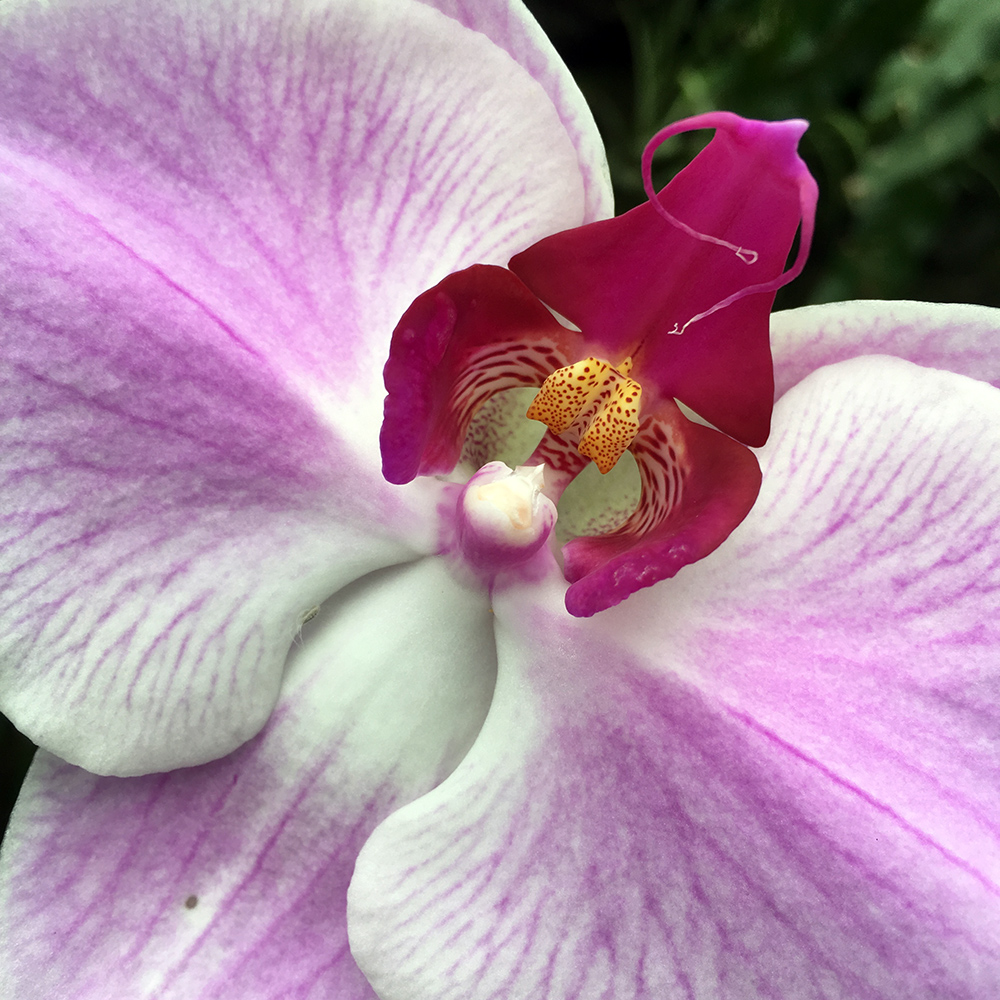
[904, 101]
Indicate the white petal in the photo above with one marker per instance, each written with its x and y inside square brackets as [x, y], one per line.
[774, 776]
[228, 880]
[211, 216]
[509, 25]
[958, 338]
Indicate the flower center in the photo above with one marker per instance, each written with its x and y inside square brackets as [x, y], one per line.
[598, 400]
[504, 518]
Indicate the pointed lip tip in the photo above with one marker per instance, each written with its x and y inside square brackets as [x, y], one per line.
[797, 126]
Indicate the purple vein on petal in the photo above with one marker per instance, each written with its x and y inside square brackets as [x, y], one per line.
[718, 831]
[265, 839]
[144, 932]
[871, 800]
[268, 843]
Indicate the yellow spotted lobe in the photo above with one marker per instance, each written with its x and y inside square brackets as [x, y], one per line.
[598, 397]
[614, 425]
[566, 392]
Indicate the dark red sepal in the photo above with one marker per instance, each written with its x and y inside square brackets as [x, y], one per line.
[717, 481]
[631, 282]
[477, 332]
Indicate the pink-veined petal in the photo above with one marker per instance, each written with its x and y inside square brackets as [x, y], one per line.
[871, 643]
[211, 217]
[228, 881]
[301, 171]
[171, 507]
[958, 338]
[638, 280]
[697, 485]
[509, 25]
[773, 776]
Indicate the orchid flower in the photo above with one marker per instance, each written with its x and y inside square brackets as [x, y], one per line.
[482, 331]
[309, 733]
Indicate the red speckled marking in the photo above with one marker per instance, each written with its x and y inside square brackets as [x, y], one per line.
[597, 399]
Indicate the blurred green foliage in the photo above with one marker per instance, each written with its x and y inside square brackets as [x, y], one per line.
[904, 101]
